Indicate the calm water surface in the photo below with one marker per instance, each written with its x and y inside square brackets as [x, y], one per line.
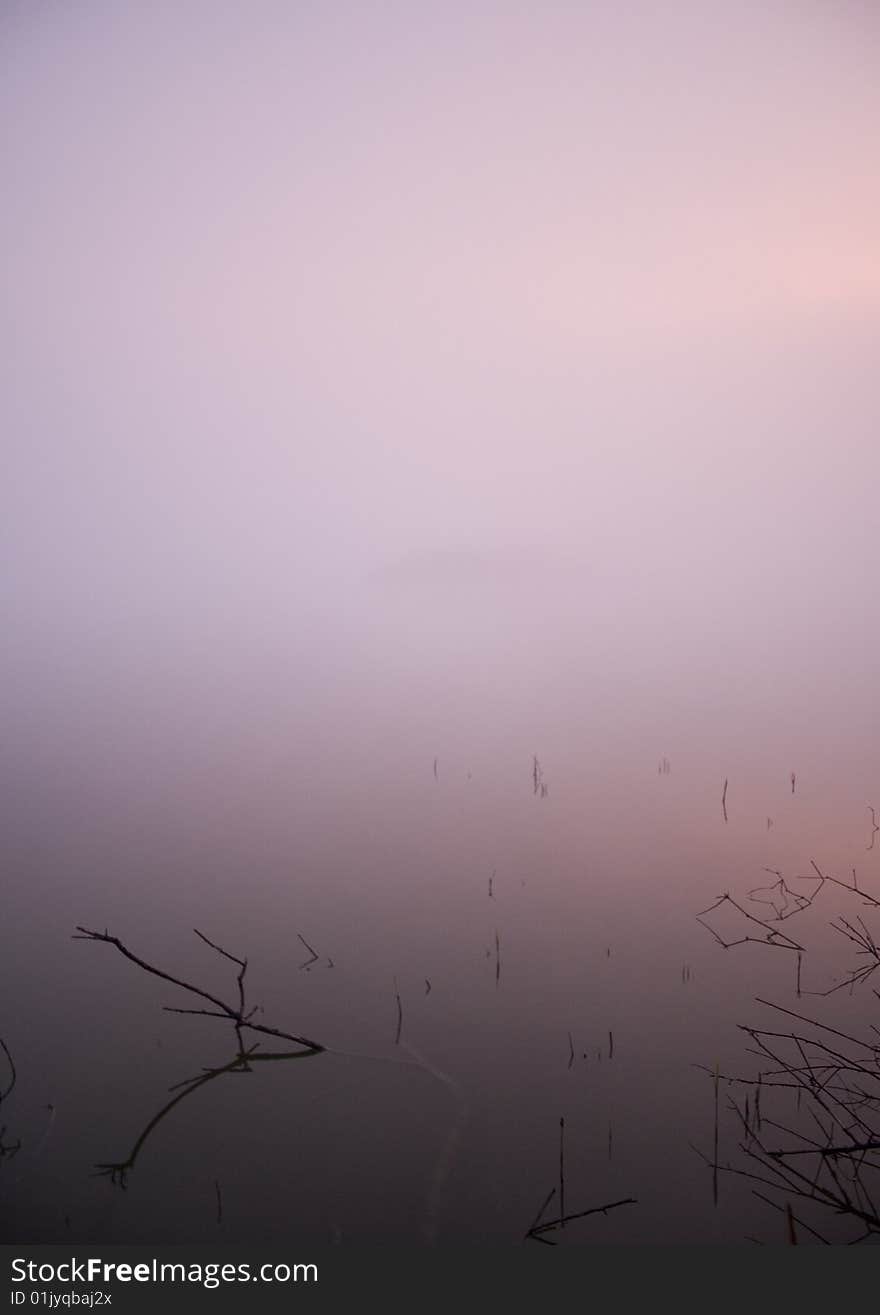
[543, 947]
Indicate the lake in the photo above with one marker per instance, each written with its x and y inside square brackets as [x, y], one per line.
[474, 887]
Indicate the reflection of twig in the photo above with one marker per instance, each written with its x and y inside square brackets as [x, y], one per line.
[12, 1073]
[786, 902]
[773, 938]
[787, 897]
[562, 1173]
[540, 1215]
[399, 1013]
[715, 1156]
[874, 827]
[118, 1171]
[724, 799]
[8, 1148]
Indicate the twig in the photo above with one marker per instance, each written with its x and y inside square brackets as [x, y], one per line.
[237, 1017]
[12, 1073]
[399, 1013]
[562, 1173]
[307, 963]
[580, 1214]
[874, 827]
[715, 1156]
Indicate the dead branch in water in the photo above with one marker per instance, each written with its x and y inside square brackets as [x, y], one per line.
[537, 1231]
[240, 1016]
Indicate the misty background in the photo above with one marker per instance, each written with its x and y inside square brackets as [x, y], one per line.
[387, 382]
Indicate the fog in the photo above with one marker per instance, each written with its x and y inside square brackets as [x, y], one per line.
[386, 385]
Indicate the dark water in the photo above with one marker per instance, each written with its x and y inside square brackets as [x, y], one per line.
[543, 947]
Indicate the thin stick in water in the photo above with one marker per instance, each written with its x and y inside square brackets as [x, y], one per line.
[399, 1013]
[315, 956]
[562, 1172]
[540, 1215]
[715, 1155]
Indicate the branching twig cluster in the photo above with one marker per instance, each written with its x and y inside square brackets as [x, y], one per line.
[816, 1139]
[815, 1144]
[241, 1017]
